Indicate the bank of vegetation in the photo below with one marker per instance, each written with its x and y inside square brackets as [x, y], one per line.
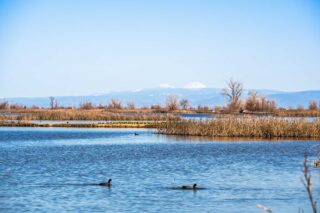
[254, 104]
[118, 124]
[76, 114]
[245, 126]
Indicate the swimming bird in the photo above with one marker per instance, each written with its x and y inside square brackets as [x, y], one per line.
[193, 187]
[106, 183]
[136, 134]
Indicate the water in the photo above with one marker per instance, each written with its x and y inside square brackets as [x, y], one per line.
[196, 116]
[57, 170]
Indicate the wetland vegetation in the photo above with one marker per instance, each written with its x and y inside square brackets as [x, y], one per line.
[254, 116]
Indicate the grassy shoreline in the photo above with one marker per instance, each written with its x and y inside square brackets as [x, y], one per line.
[245, 127]
[134, 115]
[220, 126]
[74, 114]
[126, 124]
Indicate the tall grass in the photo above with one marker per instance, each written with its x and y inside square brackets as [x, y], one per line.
[72, 114]
[117, 124]
[245, 126]
[297, 113]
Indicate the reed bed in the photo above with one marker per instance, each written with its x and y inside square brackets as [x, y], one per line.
[119, 124]
[98, 115]
[245, 126]
[297, 113]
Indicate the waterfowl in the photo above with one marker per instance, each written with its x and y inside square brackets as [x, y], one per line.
[193, 187]
[317, 163]
[136, 134]
[106, 183]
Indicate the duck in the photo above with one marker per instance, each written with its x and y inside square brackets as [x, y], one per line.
[108, 184]
[136, 134]
[193, 187]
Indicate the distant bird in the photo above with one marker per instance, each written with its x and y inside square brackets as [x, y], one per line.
[106, 183]
[136, 134]
[317, 163]
[193, 187]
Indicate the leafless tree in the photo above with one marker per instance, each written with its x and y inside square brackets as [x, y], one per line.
[252, 102]
[259, 103]
[114, 104]
[233, 94]
[4, 105]
[16, 106]
[184, 103]
[86, 105]
[313, 105]
[53, 102]
[172, 103]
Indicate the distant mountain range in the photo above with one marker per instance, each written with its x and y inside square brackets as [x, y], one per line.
[146, 97]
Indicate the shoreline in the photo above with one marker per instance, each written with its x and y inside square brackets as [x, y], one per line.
[228, 127]
[146, 125]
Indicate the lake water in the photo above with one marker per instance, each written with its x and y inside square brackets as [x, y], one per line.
[57, 170]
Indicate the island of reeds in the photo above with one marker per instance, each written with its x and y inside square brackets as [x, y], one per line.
[245, 126]
[253, 117]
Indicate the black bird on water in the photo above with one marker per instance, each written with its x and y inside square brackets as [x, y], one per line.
[108, 184]
[193, 187]
[136, 134]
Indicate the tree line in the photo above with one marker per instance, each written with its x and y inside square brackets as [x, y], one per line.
[233, 93]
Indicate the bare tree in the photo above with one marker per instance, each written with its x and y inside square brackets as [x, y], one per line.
[172, 102]
[259, 103]
[4, 105]
[233, 94]
[184, 103]
[114, 104]
[15, 106]
[251, 103]
[53, 102]
[86, 105]
[313, 105]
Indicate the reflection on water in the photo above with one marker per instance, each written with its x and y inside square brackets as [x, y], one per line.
[57, 169]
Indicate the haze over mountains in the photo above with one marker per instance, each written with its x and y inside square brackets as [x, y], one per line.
[146, 97]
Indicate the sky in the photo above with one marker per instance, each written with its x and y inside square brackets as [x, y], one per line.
[57, 48]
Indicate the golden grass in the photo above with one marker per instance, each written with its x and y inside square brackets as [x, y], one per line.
[297, 113]
[245, 126]
[120, 124]
[74, 114]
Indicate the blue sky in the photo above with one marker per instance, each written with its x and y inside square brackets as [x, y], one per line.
[85, 47]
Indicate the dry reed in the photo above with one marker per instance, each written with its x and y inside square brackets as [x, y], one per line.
[245, 126]
[119, 124]
[71, 114]
[297, 113]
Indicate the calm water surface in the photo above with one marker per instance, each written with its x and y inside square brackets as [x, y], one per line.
[57, 169]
